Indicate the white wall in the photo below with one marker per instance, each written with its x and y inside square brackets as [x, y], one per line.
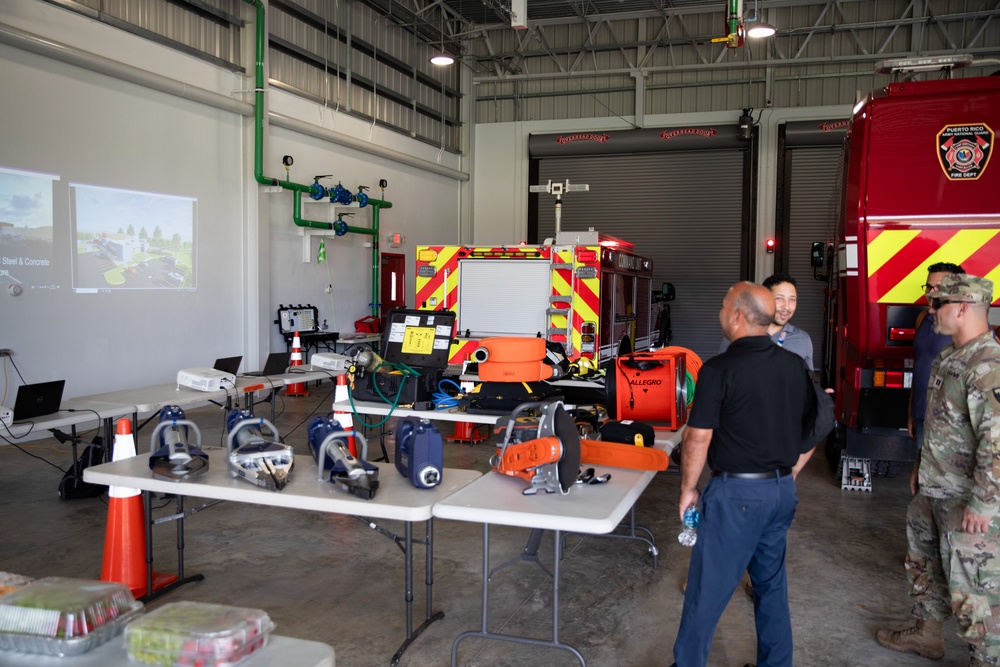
[91, 128]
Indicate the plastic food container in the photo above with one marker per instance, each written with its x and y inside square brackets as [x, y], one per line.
[196, 633]
[63, 617]
[10, 582]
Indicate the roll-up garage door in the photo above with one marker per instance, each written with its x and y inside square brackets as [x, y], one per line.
[682, 209]
[812, 211]
[807, 212]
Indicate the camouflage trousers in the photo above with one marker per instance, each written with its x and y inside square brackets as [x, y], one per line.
[954, 572]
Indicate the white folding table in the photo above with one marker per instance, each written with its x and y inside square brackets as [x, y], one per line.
[596, 509]
[396, 499]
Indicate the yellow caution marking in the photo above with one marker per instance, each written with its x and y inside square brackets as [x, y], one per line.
[885, 246]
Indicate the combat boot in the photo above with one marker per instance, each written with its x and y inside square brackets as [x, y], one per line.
[924, 639]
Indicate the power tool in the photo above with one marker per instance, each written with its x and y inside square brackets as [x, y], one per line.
[328, 444]
[543, 450]
[171, 456]
[419, 452]
[257, 459]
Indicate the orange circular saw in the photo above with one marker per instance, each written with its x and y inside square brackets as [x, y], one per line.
[544, 450]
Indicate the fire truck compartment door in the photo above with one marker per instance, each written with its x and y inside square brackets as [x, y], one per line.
[503, 297]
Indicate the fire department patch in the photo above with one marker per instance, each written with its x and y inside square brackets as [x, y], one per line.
[964, 150]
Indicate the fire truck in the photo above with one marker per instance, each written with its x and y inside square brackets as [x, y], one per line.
[586, 291]
[918, 188]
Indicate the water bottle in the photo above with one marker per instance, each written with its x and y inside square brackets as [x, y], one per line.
[688, 536]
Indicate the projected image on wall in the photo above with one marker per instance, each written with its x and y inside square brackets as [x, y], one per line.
[26, 228]
[125, 239]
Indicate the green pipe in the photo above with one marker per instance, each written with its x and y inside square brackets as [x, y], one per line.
[298, 188]
[375, 269]
[734, 16]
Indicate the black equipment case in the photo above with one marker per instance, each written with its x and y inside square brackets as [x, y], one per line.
[303, 320]
[420, 340]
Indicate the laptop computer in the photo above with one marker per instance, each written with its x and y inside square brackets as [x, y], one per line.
[276, 364]
[38, 400]
[228, 364]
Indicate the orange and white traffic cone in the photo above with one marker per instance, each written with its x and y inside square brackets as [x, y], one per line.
[345, 419]
[125, 536]
[297, 388]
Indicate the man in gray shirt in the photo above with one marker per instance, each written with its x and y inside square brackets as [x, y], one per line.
[781, 331]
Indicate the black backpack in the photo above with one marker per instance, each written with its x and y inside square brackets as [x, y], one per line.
[72, 486]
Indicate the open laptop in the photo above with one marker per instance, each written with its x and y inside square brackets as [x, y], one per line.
[228, 364]
[276, 364]
[38, 400]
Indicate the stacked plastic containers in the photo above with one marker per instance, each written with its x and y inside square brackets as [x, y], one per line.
[196, 633]
[64, 617]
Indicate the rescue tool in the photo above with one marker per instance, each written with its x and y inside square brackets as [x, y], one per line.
[543, 451]
[171, 456]
[254, 457]
[328, 444]
[547, 451]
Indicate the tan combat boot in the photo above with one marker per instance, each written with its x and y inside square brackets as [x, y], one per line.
[924, 639]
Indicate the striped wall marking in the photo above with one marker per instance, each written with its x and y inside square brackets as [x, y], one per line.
[930, 247]
[887, 245]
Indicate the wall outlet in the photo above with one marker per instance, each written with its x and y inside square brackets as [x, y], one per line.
[5, 352]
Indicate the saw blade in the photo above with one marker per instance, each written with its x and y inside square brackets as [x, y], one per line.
[569, 465]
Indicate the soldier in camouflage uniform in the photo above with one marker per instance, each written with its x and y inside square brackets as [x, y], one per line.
[953, 521]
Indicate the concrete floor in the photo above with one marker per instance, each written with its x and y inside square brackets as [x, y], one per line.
[332, 579]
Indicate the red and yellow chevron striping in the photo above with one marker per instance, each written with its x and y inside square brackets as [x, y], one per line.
[898, 259]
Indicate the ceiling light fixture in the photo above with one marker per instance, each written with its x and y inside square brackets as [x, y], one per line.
[760, 30]
[442, 58]
[756, 28]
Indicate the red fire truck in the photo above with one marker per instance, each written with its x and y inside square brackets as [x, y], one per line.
[587, 291]
[918, 188]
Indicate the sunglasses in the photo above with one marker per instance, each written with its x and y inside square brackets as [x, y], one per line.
[937, 303]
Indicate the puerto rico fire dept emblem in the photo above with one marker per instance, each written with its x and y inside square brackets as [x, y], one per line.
[965, 150]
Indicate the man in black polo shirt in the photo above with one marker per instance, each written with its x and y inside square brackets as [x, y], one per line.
[751, 407]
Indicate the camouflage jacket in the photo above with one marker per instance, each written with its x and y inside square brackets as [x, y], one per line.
[961, 454]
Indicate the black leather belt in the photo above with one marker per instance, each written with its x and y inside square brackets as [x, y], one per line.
[770, 474]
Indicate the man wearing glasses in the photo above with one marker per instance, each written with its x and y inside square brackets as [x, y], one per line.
[926, 346]
[953, 559]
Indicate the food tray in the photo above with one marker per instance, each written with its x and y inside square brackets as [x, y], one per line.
[197, 633]
[10, 582]
[64, 617]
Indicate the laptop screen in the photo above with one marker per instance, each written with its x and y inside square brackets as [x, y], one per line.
[38, 400]
[228, 364]
[277, 363]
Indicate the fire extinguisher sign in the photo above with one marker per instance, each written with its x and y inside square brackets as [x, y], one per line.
[965, 150]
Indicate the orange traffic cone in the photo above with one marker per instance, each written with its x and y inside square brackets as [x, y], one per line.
[298, 388]
[125, 536]
[469, 432]
[345, 419]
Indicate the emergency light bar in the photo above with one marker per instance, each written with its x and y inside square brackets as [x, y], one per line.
[923, 64]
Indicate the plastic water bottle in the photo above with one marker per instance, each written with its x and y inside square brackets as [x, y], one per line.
[688, 536]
